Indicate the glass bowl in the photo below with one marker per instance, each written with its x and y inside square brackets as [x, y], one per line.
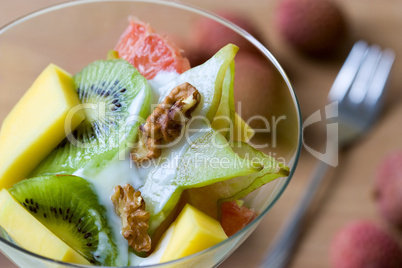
[74, 34]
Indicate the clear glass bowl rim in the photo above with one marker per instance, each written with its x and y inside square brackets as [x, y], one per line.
[221, 20]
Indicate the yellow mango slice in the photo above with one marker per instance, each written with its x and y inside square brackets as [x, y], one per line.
[32, 235]
[36, 125]
[193, 231]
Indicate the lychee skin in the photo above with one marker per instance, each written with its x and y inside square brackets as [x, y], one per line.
[315, 27]
[363, 244]
[388, 188]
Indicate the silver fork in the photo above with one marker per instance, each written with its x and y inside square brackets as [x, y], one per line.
[358, 91]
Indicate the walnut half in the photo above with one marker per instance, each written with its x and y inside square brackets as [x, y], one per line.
[166, 121]
[130, 207]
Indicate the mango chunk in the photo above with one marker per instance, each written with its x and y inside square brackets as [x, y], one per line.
[193, 231]
[32, 235]
[36, 125]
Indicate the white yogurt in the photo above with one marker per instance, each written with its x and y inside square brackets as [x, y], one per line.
[117, 172]
[157, 255]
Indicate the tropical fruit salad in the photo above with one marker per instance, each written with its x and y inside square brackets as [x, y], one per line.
[137, 159]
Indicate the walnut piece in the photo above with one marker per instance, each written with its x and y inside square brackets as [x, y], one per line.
[166, 121]
[130, 207]
[147, 149]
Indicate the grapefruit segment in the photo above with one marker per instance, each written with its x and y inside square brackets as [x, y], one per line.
[235, 218]
[148, 51]
[135, 31]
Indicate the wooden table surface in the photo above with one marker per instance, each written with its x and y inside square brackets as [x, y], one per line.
[348, 193]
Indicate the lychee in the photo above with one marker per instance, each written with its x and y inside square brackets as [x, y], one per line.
[209, 36]
[362, 244]
[315, 27]
[388, 188]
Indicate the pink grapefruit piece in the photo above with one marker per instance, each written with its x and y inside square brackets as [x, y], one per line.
[235, 218]
[148, 51]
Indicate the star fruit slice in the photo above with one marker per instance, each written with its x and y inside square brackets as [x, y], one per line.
[203, 160]
[237, 188]
[209, 79]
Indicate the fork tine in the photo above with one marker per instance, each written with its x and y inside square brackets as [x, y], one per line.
[348, 72]
[365, 74]
[380, 77]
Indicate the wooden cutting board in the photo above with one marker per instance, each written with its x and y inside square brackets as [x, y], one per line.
[347, 194]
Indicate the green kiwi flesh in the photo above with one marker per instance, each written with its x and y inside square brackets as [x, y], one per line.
[69, 208]
[108, 90]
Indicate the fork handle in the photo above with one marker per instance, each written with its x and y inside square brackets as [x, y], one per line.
[281, 252]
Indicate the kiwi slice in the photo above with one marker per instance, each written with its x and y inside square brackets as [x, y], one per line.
[114, 96]
[69, 208]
